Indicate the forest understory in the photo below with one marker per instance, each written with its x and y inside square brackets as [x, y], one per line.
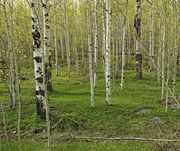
[135, 112]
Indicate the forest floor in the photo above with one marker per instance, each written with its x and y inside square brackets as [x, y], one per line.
[137, 111]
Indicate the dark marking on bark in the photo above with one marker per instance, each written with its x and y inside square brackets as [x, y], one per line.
[38, 59]
[40, 79]
[138, 66]
[40, 108]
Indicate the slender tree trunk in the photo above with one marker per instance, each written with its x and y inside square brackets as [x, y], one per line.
[19, 99]
[47, 48]
[83, 57]
[159, 67]
[61, 35]
[9, 30]
[37, 53]
[163, 52]
[103, 34]
[68, 54]
[117, 48]
[5, 128]
[137, 25]
[176, 16]
[151, 45]
[75, 39]
[55, 39]
[45, 83]
[47, 66]
[108, 52]
[95, 41]
[90, 52]
[124, 45]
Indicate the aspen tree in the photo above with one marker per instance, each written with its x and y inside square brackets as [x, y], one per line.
[68, 53]
[38, 58]
[55, 38]
[137, 25]
[90, 52]
[163, 51]
[117, 48]
[9, 31]
[47, 66]
[108, 52]
[75, 39]
[95, 40]
[61, 35]
[19, 98]
[82, 50]
[159, 57]
[47, 47]
[124, 44]
[151, 35]
[5, 128]
[176, 16]
[103, 33]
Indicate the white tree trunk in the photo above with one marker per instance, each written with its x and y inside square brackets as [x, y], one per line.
[9, 30]
[108, 52]
[124, 45]
[75, 39]
[47, 47]
[159, 65]
[38, 58]
[95, 41]
[151, 35]
[176, 47]
[47, 66]
[103, 34]
[90, 52]
[55, 39]
[68, 54]
[117, 48]
[163, 52]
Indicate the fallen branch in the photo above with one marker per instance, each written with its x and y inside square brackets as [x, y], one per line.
[123, 139]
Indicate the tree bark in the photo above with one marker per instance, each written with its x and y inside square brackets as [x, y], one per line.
[163, 52]
[68, 54]
[151, 35]
[108, 52]
[137, 25]
[95, 41]
[47, 47]
[124, 45]
[38, 58]
[90, 52]
[9, 30]
[55, 39]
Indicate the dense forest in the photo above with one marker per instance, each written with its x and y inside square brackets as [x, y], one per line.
[90, 75]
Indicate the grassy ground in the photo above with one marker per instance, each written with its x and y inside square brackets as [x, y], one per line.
[70, 105]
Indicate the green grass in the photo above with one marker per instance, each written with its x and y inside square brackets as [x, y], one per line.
[70, 102]
[84, 146]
